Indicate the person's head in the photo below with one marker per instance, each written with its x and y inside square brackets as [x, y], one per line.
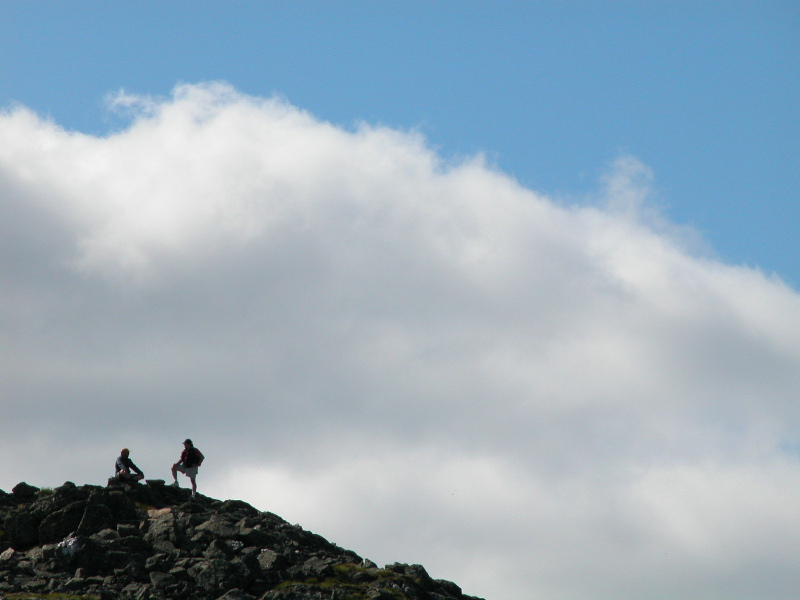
[125, 452]
[188, 443]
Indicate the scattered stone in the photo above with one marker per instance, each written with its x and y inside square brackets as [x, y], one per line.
[133, 541]
[236, 594]
[7, 555]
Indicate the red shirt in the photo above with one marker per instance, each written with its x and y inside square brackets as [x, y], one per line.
[189, 457]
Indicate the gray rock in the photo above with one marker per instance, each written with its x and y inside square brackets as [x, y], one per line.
[219, 527]
[160, 562]
[255, 536]
[165, 547]
[236, 594]
[61, 523]
[161, 526]
[318, 567]
[218, 549]
[21, 528]
[7, 555]
[219, 575]
[24, 492]
[161, 580]
[96, 517]
[127, 529]
[267, 559]
[143, 593]
[104, 534]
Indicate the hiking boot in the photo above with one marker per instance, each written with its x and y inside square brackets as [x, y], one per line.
[174, 484]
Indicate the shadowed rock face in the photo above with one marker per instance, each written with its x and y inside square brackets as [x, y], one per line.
[154, 542]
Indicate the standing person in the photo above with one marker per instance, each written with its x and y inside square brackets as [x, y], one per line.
[191, 458]
[124, 466]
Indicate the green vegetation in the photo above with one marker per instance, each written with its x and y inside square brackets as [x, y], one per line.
[51, 596]
[348, 578]
[353, 592]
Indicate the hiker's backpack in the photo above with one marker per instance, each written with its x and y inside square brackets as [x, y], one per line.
[198, 457]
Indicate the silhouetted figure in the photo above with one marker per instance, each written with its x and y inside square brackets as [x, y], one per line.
[124, 466]
[191, 458]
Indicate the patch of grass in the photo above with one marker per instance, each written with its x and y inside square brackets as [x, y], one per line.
[46, 491]
[346, 570]
[353, 592]
[291, 583]
[342, 581]
[51, 596]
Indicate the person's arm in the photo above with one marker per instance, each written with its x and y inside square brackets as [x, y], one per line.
[135, 468]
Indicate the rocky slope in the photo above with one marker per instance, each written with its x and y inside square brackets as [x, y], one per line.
[152, 542]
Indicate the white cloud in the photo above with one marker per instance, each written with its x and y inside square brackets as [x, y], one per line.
[422, 361]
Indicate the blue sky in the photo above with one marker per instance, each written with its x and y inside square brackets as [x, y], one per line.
[266, 226]
[704, 93]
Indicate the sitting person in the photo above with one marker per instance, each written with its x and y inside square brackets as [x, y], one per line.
[124, 466]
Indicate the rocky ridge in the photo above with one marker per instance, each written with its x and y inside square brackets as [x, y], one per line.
[149, 541]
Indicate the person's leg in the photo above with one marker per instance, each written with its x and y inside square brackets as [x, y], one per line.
[175, 468]
[194, 484]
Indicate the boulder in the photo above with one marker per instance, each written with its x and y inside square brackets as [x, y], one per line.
[218, 575]
[161, 526]
[96, 517]
[23, 492]
[219, 527]
[61, 523]
[7, 555]
[159, 580]
[21, 528]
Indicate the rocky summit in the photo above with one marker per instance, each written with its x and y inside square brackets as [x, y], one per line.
[150, 541]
